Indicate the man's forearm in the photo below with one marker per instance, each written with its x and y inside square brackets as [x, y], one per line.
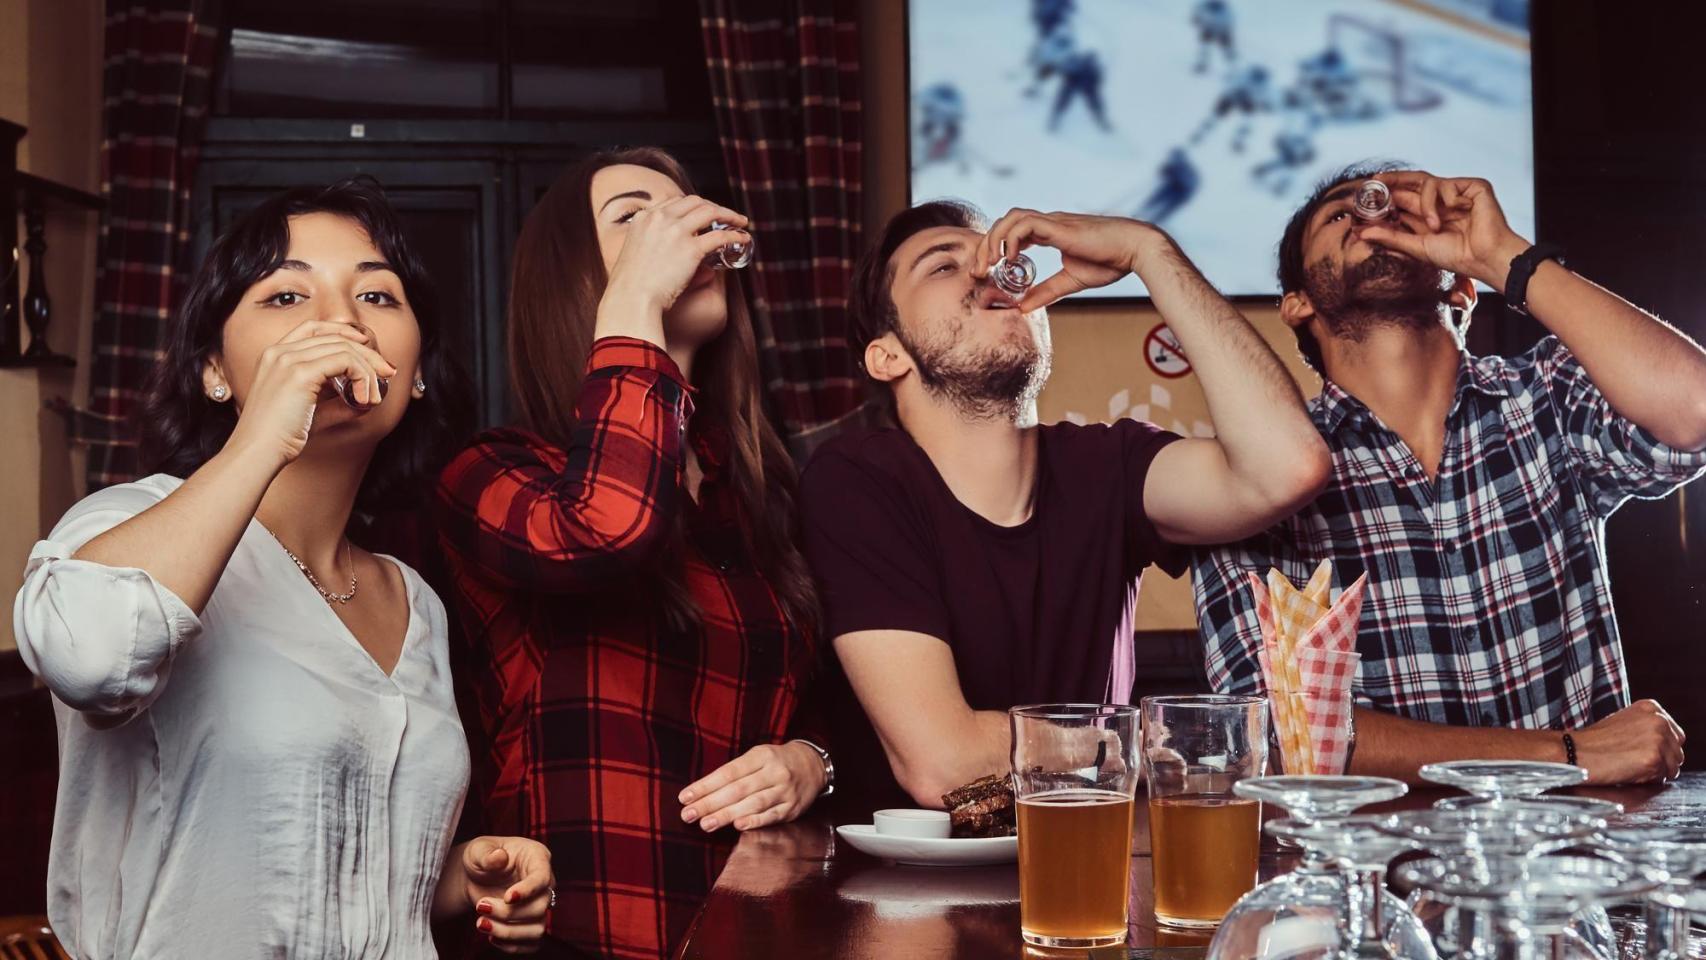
[1258, 412]
[1393, 746]
[1650, 372]
[979, 746]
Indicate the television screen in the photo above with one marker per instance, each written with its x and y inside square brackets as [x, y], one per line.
[1212, 118]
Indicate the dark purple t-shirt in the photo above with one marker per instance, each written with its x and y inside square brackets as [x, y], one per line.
[1030, 612]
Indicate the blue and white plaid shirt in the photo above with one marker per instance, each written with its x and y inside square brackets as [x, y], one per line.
[1488, 600]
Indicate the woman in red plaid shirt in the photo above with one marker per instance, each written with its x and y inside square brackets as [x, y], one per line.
[625, 562]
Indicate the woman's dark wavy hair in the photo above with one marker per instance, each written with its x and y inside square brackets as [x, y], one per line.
[181, 428]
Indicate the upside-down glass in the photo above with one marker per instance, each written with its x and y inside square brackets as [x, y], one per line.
[1519, 785]
[1688, 912]
[1528, 909]
[1204, 839]
[1680, 853]
[1319, 911]
[1074, 779]
[1497, 780]
[1379, 926]
[1495, 843]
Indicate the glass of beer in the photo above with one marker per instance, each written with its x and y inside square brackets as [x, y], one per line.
[1204, 839]
[1074, 779]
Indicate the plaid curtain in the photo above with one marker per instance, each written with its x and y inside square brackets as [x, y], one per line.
[157, 85]
[785, 83]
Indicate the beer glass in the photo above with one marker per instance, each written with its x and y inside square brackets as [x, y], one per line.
[1204, 839]
[1074, 779]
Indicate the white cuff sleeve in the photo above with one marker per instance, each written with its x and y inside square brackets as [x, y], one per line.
[102, 638]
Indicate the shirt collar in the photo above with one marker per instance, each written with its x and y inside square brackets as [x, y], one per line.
[1490, 376]
[711, 442]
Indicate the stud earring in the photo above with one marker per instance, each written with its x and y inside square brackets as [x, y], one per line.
[420, 386]
[219, 393]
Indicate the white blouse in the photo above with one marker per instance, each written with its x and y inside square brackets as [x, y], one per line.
[245, 784]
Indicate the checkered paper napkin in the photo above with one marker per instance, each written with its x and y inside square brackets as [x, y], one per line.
[1309, 661]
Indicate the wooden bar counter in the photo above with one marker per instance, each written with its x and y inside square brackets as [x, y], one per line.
[797, 891]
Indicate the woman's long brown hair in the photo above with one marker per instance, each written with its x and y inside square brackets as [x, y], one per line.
[556, 283]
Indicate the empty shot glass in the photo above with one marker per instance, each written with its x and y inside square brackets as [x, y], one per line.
[345, 389]
[729, 256]
[1013, 274]
[1373, 201]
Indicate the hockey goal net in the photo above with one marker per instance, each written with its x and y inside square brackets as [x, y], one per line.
[1379, 57]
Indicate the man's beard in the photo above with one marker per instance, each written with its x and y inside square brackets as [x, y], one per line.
[1383, 290]
[998, 383]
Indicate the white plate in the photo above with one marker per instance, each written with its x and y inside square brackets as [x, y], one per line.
[922, 852]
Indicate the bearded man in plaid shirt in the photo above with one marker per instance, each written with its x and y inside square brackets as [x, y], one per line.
[1472, 491]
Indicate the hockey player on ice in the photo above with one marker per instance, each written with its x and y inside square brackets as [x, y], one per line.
[1049, 56]
[1080, 76]
[1246, 95]
[942, 114]
[1050, 15]
[1331, 90]
[1213, 20]
[1294, 150]
[1179, 182]
[942, 111]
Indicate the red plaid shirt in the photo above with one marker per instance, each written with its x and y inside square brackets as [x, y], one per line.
[597, 711]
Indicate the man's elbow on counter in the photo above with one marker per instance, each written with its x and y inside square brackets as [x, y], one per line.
[925, 782]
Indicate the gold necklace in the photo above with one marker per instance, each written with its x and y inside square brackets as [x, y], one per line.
[330, 598]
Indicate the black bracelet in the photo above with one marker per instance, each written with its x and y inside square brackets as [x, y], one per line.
[1570, 750]
[1523, 266]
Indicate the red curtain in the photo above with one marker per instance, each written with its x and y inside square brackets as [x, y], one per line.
[785, 83]
[157, 86]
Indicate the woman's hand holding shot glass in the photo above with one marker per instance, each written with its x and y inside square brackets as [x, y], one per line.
[295, 374]
[663, 249]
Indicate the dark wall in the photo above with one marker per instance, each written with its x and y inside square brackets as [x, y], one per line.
[28, 772]
[1621, 182]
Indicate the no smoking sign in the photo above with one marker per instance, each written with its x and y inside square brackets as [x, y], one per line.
[1162, 352]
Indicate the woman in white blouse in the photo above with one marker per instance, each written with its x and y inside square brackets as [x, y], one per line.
[259, 748]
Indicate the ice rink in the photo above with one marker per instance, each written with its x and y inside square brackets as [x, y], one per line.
[1466, 82]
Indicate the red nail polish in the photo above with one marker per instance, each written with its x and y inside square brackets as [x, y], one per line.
[509, 897]
[484, 906]
[485, 925]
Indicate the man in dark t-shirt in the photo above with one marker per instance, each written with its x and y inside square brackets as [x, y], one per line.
[972, 560]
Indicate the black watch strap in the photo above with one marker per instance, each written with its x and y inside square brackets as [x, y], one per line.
[1522, 269]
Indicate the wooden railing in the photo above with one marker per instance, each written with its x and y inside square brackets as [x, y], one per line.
[33, 196]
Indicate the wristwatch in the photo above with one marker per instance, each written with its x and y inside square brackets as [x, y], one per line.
[828, 766]
[1523, 266]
